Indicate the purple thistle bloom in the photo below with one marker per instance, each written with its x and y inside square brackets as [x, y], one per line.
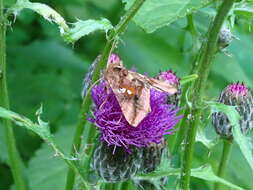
[114, 128]
[237, 89]
[170, 77]
[235, 94]
[114, 58]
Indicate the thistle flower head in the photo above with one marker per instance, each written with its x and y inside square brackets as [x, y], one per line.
[170, 77]
[235, 94]
[114, 128]
[114, 58]
[237, 90]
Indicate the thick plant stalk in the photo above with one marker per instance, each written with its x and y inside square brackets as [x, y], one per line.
[14, 157]
[198, 87]
[179, 135]
[120, 28]
[227, 146]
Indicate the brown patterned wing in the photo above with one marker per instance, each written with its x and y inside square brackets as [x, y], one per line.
[162, 86]
[135, 108]
[157, 84]
[136, 105]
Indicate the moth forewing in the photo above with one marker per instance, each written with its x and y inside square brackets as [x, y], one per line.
[135, 108]
[155, 83]
[132, 91]
[162, 86]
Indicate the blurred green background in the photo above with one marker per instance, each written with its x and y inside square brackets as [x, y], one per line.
[43, 69]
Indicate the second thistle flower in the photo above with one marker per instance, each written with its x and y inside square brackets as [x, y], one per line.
[235, 94]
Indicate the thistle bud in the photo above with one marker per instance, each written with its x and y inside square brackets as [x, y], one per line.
[225, 37]
[236, 94]
[151, 159]
[151, 156]
[171, 77]
[115, 164]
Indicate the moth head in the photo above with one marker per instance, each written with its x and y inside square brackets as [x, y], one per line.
[123, 72]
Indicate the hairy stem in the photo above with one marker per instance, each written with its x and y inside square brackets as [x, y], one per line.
[180, 134]
[14, 157]
[120, 28]
[227, 146]
[203, 68]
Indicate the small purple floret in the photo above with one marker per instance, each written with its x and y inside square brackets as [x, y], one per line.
[114, 58]
[169, 76]
[114, 128]
[237, 89]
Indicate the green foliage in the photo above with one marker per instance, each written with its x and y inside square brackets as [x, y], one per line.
[156, 14]
[3, 155]
[41, 129]
[44, 70]
[245, 10]
[47, 12]
[203, 172]
[188, 78]
[83, 28]
[41, 177]
[201, 137]
[78, 30]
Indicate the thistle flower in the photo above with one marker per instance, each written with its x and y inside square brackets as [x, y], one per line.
[171, 77]
[120, 152]
[114, 128]
[235, 94]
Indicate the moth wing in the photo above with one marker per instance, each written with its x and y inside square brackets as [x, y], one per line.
[157, 84]
[112, 77]
[162, 86]
[135, 109]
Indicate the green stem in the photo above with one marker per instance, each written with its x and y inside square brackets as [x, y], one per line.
[125, 185]
[14, 157]
[109, 186]
[180, 134]
[227, 147]
[198, 87]
[120, 28]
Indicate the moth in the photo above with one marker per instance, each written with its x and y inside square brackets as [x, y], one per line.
[132, 91]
